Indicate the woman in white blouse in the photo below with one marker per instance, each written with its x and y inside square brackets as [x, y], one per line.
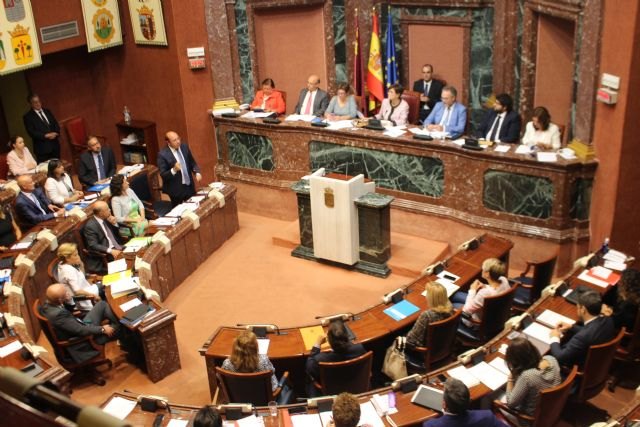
[541, 132]
[58, 185]
[71, 274]
[126, 206]
[19, 159]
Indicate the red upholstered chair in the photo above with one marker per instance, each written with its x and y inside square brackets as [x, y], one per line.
[77, 136]
[413, 99]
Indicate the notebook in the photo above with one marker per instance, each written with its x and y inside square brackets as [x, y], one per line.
[428, 397]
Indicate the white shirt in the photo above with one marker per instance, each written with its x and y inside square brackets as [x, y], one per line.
[551, 136]
[57, 191]
[501, 116]
[309, 97]
[75, 281]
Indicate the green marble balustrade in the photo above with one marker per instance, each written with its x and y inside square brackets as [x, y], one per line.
[250, 151]
[518, 194]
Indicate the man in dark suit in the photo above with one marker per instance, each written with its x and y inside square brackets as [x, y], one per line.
[44, 130]
[97, 163]
[177, 169]
[501, 124]
[32, 205]
[312, 100]
[430, 89]
[455, 405]
[67, 326]
[342, 349]
[570, 344]
[101, 235]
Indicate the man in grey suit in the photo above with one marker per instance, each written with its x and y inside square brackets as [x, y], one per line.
[67, 326]
[312, 100]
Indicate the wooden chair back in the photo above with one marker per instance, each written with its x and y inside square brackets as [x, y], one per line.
[542, 275]
[495, 312]
[252, 387]
[440, 338]
[413, 99]
[52, 270]
[595, 372]
[351, 376]
[552, 400]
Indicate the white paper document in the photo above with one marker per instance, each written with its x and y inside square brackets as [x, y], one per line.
[381, 404]
[177, 423]
[501, 365]
[256, 115]
[502, 148]
[615, 256]
[593, 280]
[539, 332]
[451, 287]
[10, 348]
[165, 221]
[299, 117]
[130, 304]
[394, 132]
[546, 156]
[251, 421]
[488, 375]
[459, 141]
[523, 149]
[263, 345]
[340, 124]
[117, 266]
[120, 407]
[551, 319]
[124, 286]
[306, 420]
[613, 265]
[461, 373]
[369, 416]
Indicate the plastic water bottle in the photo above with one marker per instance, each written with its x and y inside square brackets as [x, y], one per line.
[127, 115]
[605, 246]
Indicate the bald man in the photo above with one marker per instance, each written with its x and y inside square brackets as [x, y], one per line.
[178, 169]
[67, 326]
[312, 100]
[32, 205]
[101, 235]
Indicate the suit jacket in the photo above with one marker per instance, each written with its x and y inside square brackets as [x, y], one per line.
[96, 240]
[475, 418]
[509, 131]
[274, 103]
[457, 121]
[573, 351]
[172, 184]
[68, 326]
[320, 103]
[37, 128]
[435, 92]
[400, 114]
[29, 213]
[315, 357]
[87, 172]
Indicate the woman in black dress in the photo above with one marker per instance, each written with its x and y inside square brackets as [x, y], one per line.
[9, 231]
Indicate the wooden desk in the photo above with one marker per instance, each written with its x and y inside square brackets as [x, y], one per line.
[374, 329]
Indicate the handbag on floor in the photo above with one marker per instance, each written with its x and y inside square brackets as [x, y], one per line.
[395, 364]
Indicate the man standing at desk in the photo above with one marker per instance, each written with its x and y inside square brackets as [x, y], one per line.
[177, 169]
[430, 90]
[32, 205]
[96, 164]
[312, 100]
[448, 115]
[44, 130]
[501, 124]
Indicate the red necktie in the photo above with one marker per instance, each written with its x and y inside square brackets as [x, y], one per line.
[307, 109]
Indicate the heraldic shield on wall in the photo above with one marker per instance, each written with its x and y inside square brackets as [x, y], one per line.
[147, 22]
[102, 24]
[19, 47]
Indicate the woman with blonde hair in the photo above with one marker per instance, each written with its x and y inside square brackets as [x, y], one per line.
[245, 358]
[71, 274]
[439, 308]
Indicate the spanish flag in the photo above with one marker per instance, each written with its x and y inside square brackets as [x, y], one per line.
[375, 79]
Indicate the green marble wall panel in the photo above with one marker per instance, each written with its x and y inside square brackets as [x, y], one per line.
[581, 198]
[518, 194]
[402, 172]
[250, 151]
[340, 41]
[244, 53]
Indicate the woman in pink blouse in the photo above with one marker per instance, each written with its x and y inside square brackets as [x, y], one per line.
[394, 108]
[19, 159]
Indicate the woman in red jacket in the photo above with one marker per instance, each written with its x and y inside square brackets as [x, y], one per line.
[268, 99]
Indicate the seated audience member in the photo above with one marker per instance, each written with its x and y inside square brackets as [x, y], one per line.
[570, 344]
[268, 99]
[126, 206]
[345, 411]
[621, 302]
[32, 206]
[430, 91]
[540, 132]
[312, 100]
[9, 230]
[96, 164]
[101, 235]
[448, 115]
[245, 358]
[493, 271]
[501, 124]
[58, 185]
[439, 308]
[394, 108]
[456, 413]
[341, 349]
[343, 105]
[207, 416]
[19, 159]
[530, 374]
[68, 327]
[71, 274]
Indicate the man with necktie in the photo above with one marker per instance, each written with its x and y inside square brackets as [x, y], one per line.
[44, 130]
[430, 90]
[32, 205]
[178, 169]
[448, 115]
[312, 100]
[96, 164]
[501, 123]
[101, 236]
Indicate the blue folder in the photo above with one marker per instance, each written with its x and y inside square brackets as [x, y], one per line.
[97, 188]
[401, 310]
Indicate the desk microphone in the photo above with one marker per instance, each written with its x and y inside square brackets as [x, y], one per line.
[393, 296]
[325, 320]
[261, 329]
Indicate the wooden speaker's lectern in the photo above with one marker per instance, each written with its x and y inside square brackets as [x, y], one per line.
[343, 220]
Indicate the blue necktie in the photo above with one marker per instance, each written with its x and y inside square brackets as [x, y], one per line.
[183, 168]
[100, 167]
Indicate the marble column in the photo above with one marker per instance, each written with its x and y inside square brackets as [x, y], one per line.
[303, 194]
[220, 33]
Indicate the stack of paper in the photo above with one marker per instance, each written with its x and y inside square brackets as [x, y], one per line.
[546, 156]
[116, 267]
[130, 304]
[523, 149]
[368, 416]
[539, 332]
[263, 345]
[179, 210]
[502, 148]
[12, 347]
[165, 221]
[552, 319]
[306, 420]
[489, 375]
[461, 373]
[299, 117]
[120, 407]
[340, 124]
[251, 421]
